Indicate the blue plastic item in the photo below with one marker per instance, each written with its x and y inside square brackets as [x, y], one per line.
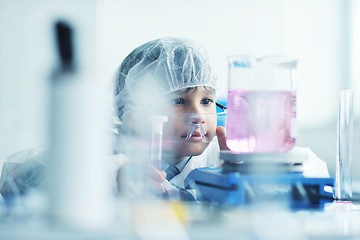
[235, 189]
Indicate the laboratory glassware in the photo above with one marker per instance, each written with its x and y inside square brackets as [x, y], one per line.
[261, 107]
[156, 139]
[193, 127]
[343, 179]
[80, 194]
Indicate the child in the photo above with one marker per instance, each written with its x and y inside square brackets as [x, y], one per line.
[169, 76]
[175, 77]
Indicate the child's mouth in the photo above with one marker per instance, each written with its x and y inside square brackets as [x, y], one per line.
[194, 137]
[196, 134]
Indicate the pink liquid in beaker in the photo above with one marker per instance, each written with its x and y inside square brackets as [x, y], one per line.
[261, 121]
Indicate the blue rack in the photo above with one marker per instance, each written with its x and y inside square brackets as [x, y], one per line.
[235, 189]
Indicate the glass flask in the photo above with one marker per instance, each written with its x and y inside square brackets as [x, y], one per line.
[261, 106]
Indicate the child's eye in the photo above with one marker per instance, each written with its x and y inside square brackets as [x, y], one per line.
[206, 101]
[178, 101]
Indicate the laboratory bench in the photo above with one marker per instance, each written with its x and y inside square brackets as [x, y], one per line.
[179, 220]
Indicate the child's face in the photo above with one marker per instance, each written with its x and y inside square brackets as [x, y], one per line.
[189, 107]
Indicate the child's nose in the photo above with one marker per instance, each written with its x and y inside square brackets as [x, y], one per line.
[197, 119]
[196, 116]
[195, 108]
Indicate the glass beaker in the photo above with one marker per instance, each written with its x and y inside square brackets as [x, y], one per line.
[261, 105]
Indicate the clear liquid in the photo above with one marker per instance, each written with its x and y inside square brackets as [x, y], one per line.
[261, 121]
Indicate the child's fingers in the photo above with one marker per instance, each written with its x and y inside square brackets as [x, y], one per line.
[164, 174]
[157, 175]
[156, 178]
[220, 133]
[156, 187]
[153, 180]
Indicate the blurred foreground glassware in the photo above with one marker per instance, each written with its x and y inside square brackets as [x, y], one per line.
[156, 139]
[142, 147]
[261, 104]
[343, 179]
[193, 127]
[78, 186]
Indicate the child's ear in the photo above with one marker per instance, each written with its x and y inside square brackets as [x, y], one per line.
[132, 121]
[127, 119]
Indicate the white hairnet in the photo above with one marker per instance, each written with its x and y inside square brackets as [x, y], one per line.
[162, 66]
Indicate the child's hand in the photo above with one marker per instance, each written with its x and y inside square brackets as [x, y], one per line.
[157, 177]
[220, 133]
[153, 179]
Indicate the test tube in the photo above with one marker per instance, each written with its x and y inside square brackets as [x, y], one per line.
[156, 139]
[343, 178]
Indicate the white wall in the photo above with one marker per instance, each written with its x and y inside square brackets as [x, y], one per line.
[316, 32]
[309, 30]
[27, 59]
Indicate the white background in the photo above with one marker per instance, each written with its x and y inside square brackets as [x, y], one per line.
[320, 33]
